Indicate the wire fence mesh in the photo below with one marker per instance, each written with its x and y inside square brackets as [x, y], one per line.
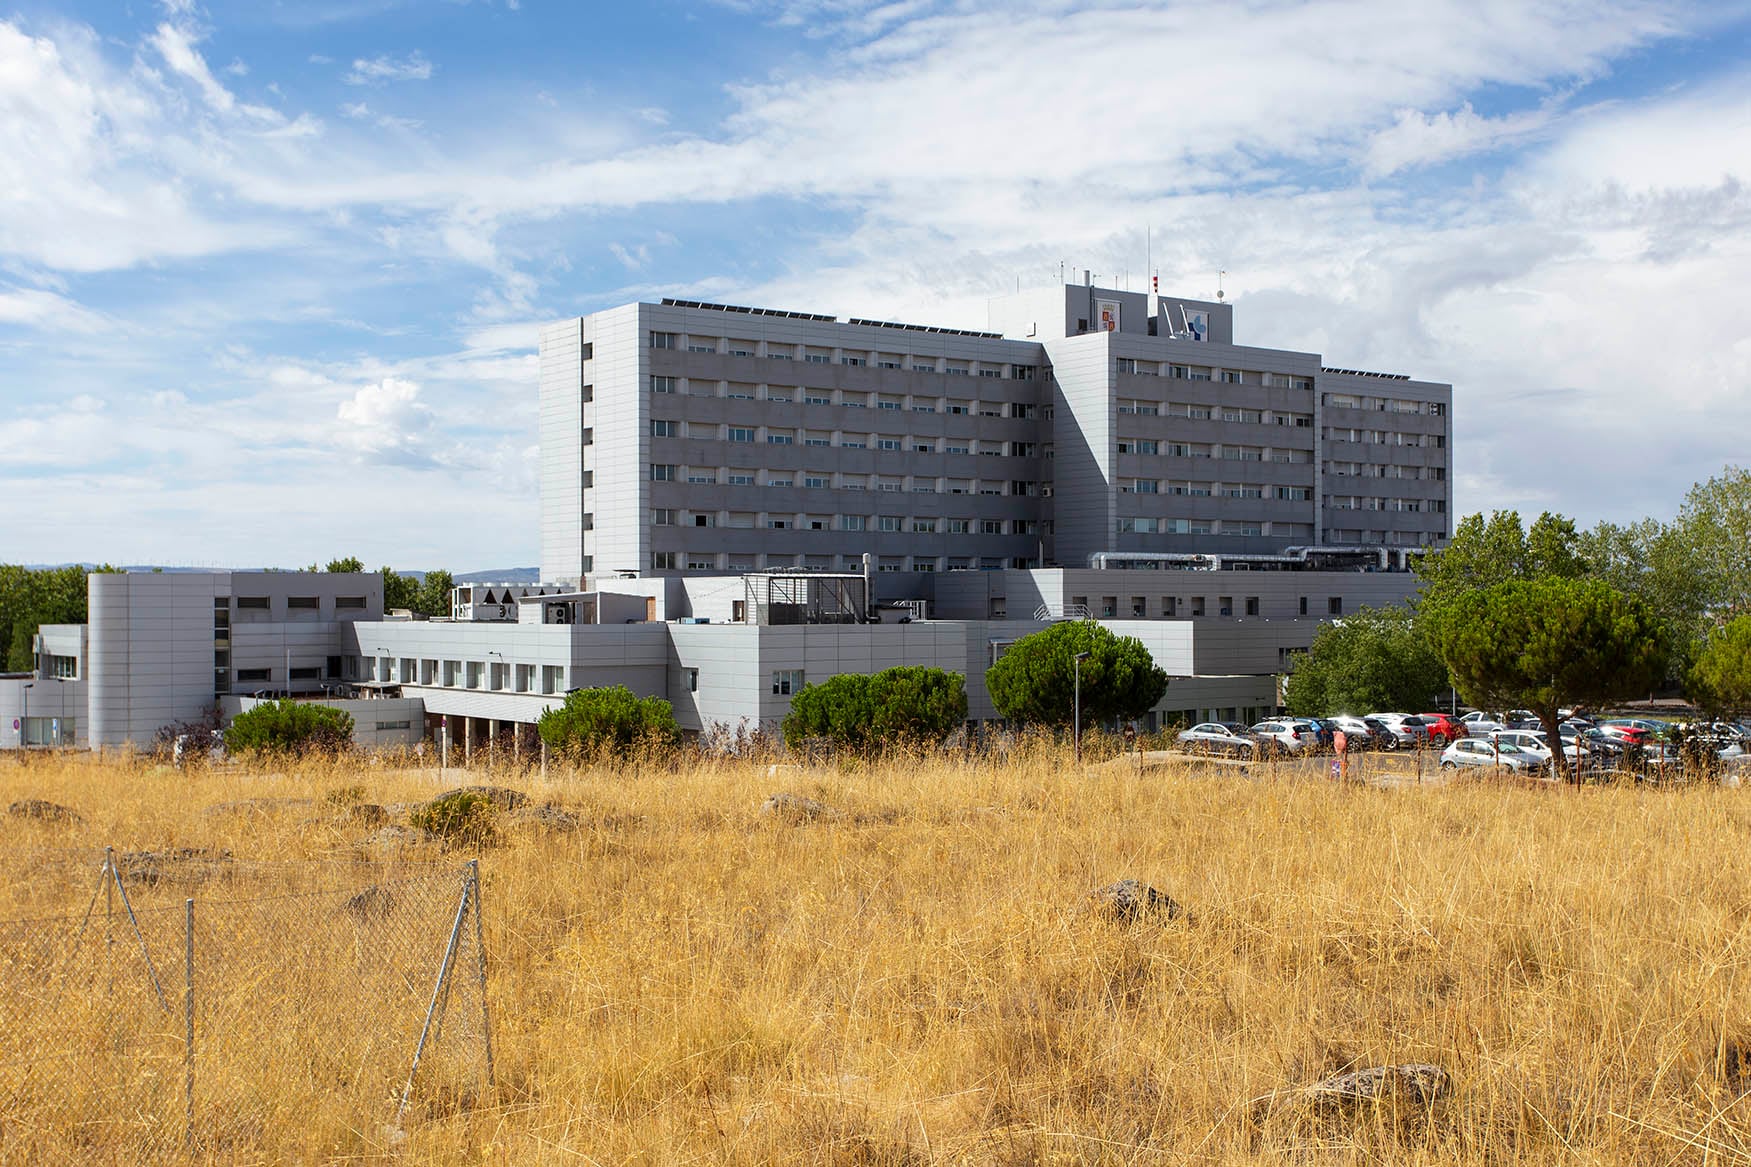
[206, 1009]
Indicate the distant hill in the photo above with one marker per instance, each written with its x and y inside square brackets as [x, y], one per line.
[504, 575]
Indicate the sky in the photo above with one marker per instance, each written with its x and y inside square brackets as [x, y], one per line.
[271, 272]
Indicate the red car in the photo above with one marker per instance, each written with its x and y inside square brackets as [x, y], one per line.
[1442, 727]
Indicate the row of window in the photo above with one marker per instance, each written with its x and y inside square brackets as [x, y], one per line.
[917, 525]
[1385, 404]
[1180, 607]
[823, 480]
[1368, 538]
[1216, 490]
[856, 358]
[1254, 528]
[294, 603]
[1351, 502]
[775, 561]
[1226, 451]
[849, 399]
[1196, 411]
[1335, 433]
[839, 439]
[1377, 470]
[1206, 373]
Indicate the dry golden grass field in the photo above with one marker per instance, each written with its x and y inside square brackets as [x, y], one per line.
[922, 976]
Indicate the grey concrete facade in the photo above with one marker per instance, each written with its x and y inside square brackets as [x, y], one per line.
[682, 437]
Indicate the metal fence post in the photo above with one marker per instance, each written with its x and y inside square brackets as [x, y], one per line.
[438, 992]
[151, 969]
[188, 1021]
[480, 966]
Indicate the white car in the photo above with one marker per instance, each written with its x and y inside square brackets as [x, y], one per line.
[1480, 724]
[1533, 741]
[1475, 751]
[1407, 731]
[1291, 736]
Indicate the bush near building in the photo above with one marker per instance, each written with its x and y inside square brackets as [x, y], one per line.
[611, 718]
[290, 727]
[908, 706]
[1035, 680]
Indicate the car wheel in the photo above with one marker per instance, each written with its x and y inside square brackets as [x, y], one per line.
[1449, 765]
[1391, 743]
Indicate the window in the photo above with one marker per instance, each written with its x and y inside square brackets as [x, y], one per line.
[589, 436]
[665, 429]
[852, 522]
[702, 478]
[924, 526]
[778, 524]
[349, 603]
[816, 481]
[1231, 376]
[889, 523]
[302, 603]
[738, 433]
[662, 384]
[255, 674]
[817, 358]
[923, 448]
[1252, 605]
[883, 403]
[662, 561]
[780, 439]
[692, 680]
[922, 368]
[853, 361]
[1225, 605]
[786, 682]
[816, 399]
[662, 473]
[704, 520]
[739, 479]
[1022, 372]
[663, 340]
[1334, 605]
[991, 526]
[662, 517]
[1304, 605]
[888, 444]
[958, 526]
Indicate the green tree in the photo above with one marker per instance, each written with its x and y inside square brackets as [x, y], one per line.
[1719, 682]
[611, 717]
[400, 591]
[434, 593]
[1544, 643]
[1714, 524]
[1034, 680]
[907, 706]
[29, 598]
[1657, 562]
[290, 727]
[351, 563]
[1490, 551]
[1376, 658]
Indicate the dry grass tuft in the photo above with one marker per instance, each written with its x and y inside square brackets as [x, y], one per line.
[920, 976]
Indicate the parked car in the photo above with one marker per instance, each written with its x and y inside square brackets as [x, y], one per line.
[1624, 731]
[1322, 726]
[1480, 724]
[1521, 719]
[1597, 747]
[1219, 737]
[1475, 751]
[1533, 741]
[1291, 737]
[1443, 727]
[1358, 734]
[1403, 730]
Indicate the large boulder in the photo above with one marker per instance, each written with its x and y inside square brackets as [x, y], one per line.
[1131, 899]
[44, 811]
[1415, 1082]
[796, 808]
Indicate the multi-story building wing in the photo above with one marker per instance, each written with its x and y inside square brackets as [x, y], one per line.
[685, 437]
[691, 437]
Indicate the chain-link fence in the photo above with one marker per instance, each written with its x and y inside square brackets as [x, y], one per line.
[205, 1009]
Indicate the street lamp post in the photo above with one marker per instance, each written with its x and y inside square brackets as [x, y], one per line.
[1076, 709]
[24, 715]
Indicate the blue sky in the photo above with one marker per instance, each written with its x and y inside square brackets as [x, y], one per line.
[270, 273]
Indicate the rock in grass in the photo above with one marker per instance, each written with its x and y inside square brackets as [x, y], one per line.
[373, 903]
[1132, 899]
[1417, 1082]
[546, 815]
[43, 809]
[502, 797]
[394, 836]
[182, 864]
[795, 808]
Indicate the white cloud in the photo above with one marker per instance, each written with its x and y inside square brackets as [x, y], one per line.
[386, 422]
[47, 312]
[176, 45]
[1419, 139]
[383, 69]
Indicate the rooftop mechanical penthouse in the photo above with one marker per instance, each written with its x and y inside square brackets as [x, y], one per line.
[1089, 427]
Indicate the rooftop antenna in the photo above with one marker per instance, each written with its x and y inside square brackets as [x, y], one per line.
[1219, 276]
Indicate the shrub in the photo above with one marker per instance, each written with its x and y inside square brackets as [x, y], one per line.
[290, 727]
[465, 818]
[608, 718]
[1035, 680]
[906, 706]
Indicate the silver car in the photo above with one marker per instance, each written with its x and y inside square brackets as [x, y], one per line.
[1404, 731]
[1219, 737]
[1475, 751]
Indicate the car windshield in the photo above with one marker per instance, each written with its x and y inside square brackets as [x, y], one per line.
[1413, 721]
